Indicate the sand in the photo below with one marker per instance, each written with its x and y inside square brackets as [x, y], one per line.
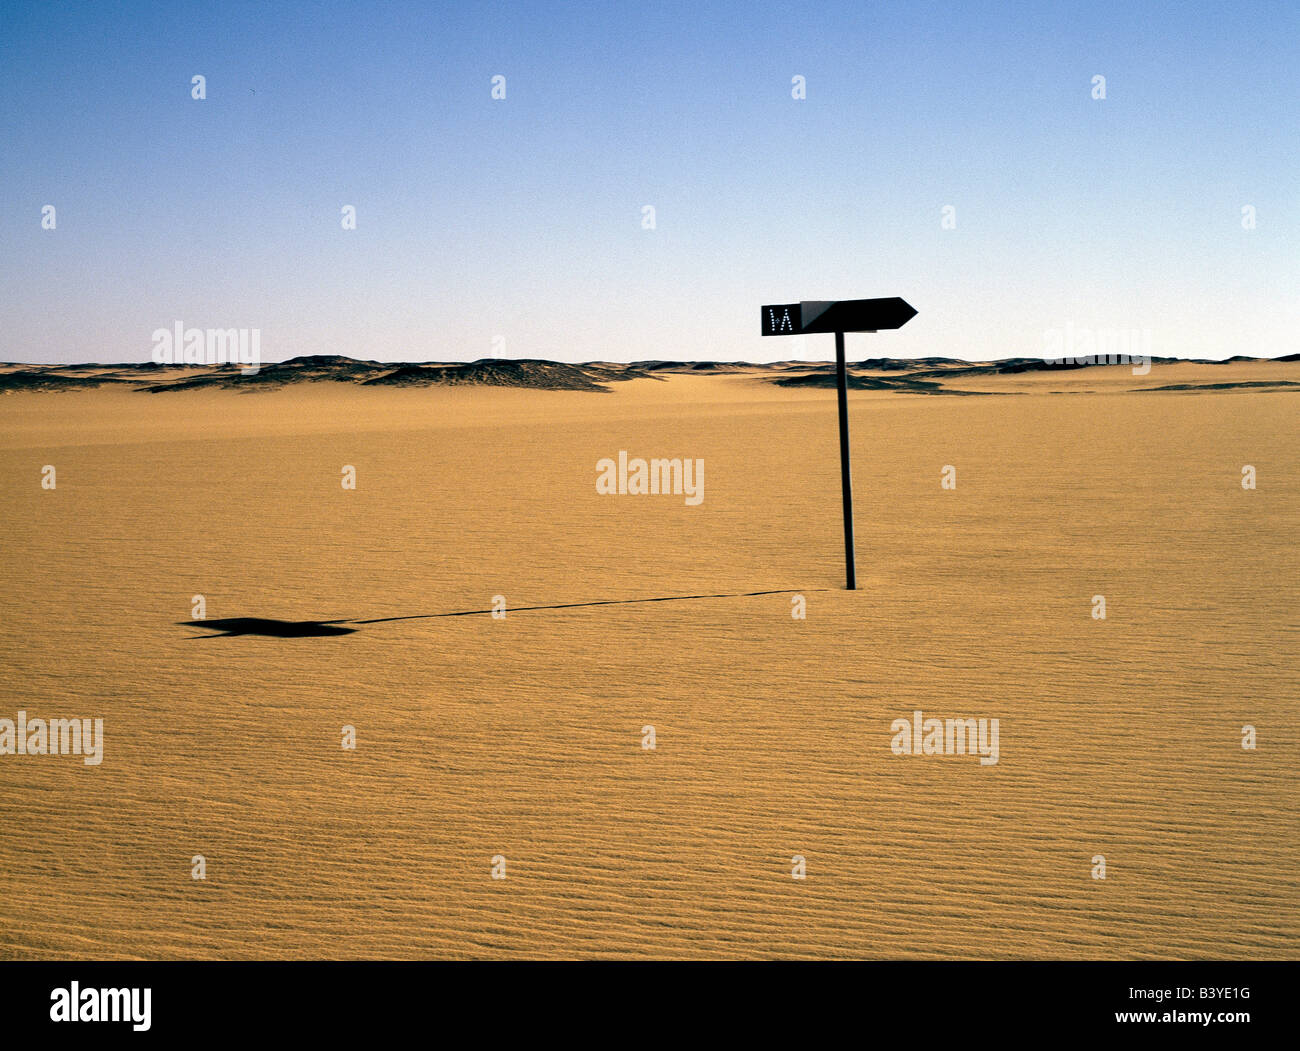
[522, 737]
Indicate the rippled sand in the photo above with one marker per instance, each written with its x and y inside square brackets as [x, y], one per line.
[522, 737]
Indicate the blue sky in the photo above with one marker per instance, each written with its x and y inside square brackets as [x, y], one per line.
[522, 218]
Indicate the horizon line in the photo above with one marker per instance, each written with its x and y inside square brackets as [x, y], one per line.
[607, 362]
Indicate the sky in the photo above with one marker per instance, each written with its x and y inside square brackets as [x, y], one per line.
[515, 227]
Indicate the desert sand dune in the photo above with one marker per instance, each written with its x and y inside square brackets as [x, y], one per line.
[522, 736]
[913, 376]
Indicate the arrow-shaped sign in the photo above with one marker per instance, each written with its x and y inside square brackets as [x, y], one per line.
[841, 316]
[844, 315]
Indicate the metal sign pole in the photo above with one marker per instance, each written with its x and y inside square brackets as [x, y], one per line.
[839, 316]
[846, 478]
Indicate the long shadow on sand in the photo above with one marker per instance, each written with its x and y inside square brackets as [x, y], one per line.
[302, 629]
[274, 629]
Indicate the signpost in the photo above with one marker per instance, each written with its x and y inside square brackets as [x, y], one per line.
[845, 315]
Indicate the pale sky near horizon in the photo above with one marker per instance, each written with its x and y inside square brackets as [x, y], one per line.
[522, 218]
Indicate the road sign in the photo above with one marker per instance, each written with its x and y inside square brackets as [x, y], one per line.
[845, 315]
